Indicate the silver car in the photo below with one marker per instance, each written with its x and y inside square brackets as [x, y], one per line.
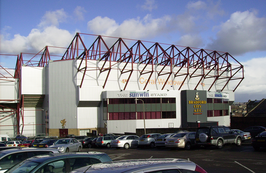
[144, 165]
[148, 140]
[160, 141]
[11, 157]
[182, 140]
[244, 135]
[125, 141]
[67, 145]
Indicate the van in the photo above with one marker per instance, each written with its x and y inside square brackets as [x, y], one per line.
[4, 138]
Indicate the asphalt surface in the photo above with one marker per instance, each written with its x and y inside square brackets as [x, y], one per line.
[226, 160]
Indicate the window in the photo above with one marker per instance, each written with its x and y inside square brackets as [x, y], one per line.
[209, 113]
[209, 100]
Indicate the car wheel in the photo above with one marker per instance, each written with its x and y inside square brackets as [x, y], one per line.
[238, 142]
[188, 146]
[220, 143]
[79, 149]
[126, 146]
[67, 150]
[203, 137]
[108, 145]
[152, 145]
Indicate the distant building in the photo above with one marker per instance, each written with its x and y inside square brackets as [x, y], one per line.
[256, 108]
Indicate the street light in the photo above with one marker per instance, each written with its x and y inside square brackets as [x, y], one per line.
[136, 99]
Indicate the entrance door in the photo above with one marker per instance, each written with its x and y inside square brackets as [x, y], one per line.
[63, 133]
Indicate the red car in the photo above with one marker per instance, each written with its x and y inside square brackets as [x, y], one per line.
[26, 143]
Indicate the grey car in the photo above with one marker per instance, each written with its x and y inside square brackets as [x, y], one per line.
[244, 135]
[160, 141]
[125, 141]
[144, 165]
[11, 157]
[66, 145]
[148, 140]
[60, 163]
[104, 141]
[182, 140]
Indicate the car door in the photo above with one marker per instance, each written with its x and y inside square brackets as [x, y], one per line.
[76, 144]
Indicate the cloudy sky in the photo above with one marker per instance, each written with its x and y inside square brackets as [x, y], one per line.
[234, 26]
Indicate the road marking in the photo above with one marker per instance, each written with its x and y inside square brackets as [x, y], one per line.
[244, 167]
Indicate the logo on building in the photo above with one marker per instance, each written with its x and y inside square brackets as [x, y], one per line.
[197, 96]
[63, 123]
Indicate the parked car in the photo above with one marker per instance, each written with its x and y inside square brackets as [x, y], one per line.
[125, 141]
[259, 141]
[46, 143]
[80, 138]
[104, 141]
[182, 140]
[36, 142]
[160, 141]
[144, 165]
[244, 135]
[216, 136]
[11, 157]
[87, 142]
[61, 163]
[254, 130]
[12, 143]
[21, 138]
[148, 140]
[27, 143]
[66, 145]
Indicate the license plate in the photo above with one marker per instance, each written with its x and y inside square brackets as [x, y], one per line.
[142, 140]
[10, 145]
[261, 140]
[249, 137]
[171, 141]
[40, 145]
[197, 139]
[22, 145]
[35, 145]
[159, 139]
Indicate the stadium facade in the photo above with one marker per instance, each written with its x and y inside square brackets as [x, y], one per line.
[117, 89]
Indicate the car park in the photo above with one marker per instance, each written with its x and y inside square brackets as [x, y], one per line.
[254, 130]
[144, 165]
[216, 136]
[182, 140]
[60, 163]
[11, 157]
[104, 141]
[148, 140]
[66, 145]
[244, 135]
[259, 141]
[12, 143]
[46, 143]
[160, 141]
[36, 142]
[87, 142]
[125, 141]
[80, 138]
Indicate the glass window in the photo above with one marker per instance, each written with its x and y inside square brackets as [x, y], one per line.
[209, 100]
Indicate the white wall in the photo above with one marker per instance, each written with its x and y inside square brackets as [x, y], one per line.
[121, 126]
[9, 91]
[87, 117]
[222, 120]
[32, 80]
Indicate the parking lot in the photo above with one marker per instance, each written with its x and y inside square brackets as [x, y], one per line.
[228, 159]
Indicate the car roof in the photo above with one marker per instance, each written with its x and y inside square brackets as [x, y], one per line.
[19, 149]
[132, 165]
[55, 156]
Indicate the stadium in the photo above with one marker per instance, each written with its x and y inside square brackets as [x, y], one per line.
[101, 84]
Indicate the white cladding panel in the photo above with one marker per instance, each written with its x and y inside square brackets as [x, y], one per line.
[223, 120]
[9, 91]
[159, 123]
[8, 123]
[87, 117]
[121, 126]
[90, 93]
[63, 97]
[33, 122]
[33, 80]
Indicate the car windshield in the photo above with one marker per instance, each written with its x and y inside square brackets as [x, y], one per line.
[45, 142]
[203, 130]
[11, 142]
[62, 141]
[25, 166]
[121, 137]
[26, 142]
[179, 135]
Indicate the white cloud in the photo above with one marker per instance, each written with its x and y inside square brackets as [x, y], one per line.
[15, 46]
[242, 33]
[53, 18]
[253, 85]
[196, 5]
[78, 12]
[149, 5]
[190, 41]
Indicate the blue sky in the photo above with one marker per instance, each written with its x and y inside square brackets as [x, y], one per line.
[234, 26]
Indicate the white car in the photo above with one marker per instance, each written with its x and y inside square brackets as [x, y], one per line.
[143, 165]
[12, 143]
[66, 145]
[125, 141]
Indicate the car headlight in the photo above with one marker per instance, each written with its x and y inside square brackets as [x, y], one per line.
[61, 149]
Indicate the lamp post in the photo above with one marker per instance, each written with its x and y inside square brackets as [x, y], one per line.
[136, 99]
